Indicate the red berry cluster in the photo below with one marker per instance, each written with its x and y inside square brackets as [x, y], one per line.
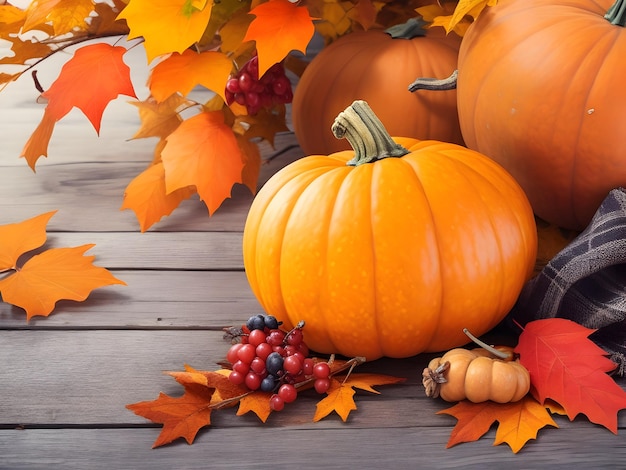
[248, 90]
[272, 360]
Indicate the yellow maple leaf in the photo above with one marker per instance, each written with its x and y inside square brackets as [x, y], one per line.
[203, 152]
[64, 15]
[182, 72]
[159, 119]
[458, 19]
[518, 422]
[166, 25]
[12, 19]
[55, 274]
[145, 195]
[340, 395]
[279, 27]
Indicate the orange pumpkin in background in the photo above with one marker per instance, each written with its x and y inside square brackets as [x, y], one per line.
[541, 91]
[390, 249]
[375, 67]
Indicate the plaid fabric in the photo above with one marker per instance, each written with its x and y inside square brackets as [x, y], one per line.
[586, 281]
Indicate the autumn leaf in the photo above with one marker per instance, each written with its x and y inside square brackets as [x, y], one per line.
[339, 397]
[166, 25]
[23, 51]
[55, 274]
[146, 196]
[457, 20]
[181, 416]
[22, 237]
[279, 27]
[64, 15]
[518, 422]
[159, 119]
[95, 75]
[203, 152]
[569, 368]
[182, 72]
[258, 403]
[37, 144]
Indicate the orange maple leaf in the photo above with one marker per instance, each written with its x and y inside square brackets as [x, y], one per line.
[257, 402]
[22, 237]
[167, 25]
[159, 119]
[203, 152]
[518, 422]
[182, 72]
[145, 195]
[340, 395]
[182, 416]
[95, 75]
[566, 366]
[279, 27]
[55, 274]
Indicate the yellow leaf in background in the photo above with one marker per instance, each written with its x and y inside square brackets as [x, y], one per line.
[159, 119]
[145, 195]
[64, 15]
[365, 12]
[11, 19]
[335, 20]
[55, 274]
[182, 72]
[279, 27]
[166, 25]
[21, 237]
[203, 152]
[465, 8]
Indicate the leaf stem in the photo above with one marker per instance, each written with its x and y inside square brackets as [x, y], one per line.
[491, 349]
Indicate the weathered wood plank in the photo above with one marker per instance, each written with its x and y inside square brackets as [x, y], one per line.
[275, 447]
[152, 299]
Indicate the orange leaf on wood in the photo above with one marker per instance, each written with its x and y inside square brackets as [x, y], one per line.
[21, 237]
[182, 72]
[203, 152]
[257, 402]
[279, 27]
[566, 366]
[95, 75]
[145, 195]
[339, 397]
[182, 416]
[37, 144]
[166, 25]
[55, 274]
[518, 422]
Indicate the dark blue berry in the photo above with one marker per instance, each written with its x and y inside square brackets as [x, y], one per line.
[269, 383]
[274, 363]
[256, 322]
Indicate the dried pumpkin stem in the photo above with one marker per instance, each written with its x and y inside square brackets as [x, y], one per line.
[368, 137]
[482, 344]
[617, 13]
[435, 84]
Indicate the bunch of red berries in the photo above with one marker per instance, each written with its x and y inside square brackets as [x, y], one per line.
[248, 90]
[272, 360]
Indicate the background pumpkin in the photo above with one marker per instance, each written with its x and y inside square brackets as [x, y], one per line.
[374, 67]
[394, 257]
[541, 91]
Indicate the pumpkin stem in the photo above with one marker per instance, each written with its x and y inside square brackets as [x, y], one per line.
[500, 354]
[435, 84]
[413, 28]
[617, 13]
[368, 137]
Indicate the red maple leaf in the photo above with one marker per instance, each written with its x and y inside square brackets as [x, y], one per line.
[566, 366]
[95, 75]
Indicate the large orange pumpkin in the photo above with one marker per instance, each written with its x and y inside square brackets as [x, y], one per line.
[375, 67]
[541, 91]
[389, 255]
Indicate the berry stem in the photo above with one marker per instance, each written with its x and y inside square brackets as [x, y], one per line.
[491, 349]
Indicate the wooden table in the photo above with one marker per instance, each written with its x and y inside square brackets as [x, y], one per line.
[65, 379]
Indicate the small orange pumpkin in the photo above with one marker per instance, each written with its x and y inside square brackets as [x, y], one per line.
[377, 67]
[392, 248]
[476, 375]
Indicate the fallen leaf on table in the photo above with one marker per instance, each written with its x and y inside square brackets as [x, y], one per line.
[518, 422]
[569, 368]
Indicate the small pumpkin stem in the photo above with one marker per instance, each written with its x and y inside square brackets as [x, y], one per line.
[435, 84]
[491, 349]
[617, 13]
[368, 137]
[432, 379]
